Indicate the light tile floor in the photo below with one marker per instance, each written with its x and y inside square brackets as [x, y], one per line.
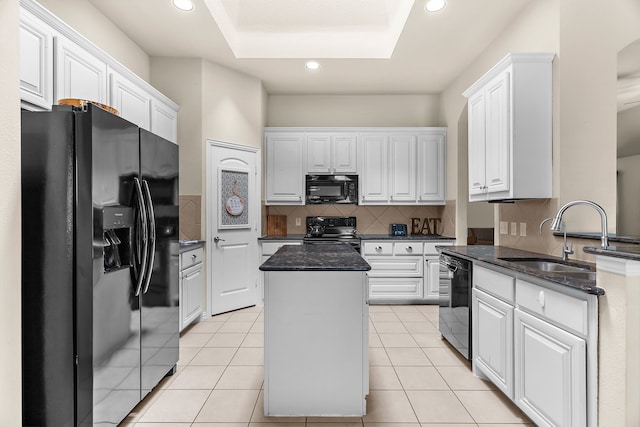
[416, 378]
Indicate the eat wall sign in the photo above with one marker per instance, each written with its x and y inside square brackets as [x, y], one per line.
[425, 225]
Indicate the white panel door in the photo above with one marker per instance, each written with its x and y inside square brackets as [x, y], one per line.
[133, 103]
[233, 214]
[492, 340]
[431, 169]
[36, 61]
[403, 168]
[476, 144]
[498, 128]
[78, 73]
[550, 373]
[164, 120]
[375, 169]
[344, 149]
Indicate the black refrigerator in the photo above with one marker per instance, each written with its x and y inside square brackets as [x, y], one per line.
[99, 288]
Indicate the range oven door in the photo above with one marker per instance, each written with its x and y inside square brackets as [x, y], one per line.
[455, 303]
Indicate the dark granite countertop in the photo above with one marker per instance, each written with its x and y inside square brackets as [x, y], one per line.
[492, 255]
[287, 237]
[318, 257]
[631, 252]
[596, 236]
[411, 237]
[187, 245]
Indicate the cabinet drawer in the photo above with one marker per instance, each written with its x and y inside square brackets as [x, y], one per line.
[395, 266]
[564, 310]
[270, 248]
[378, 248]
[191, 257]
[494, 283]
[407, 248]
[400, 288]
[430, 247]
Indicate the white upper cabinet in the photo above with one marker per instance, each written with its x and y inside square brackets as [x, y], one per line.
[374, 176]
[510, 129]
[133, 103]
[431, 167]
[403, 168]
[56, 62]
[36, 61]
[332, 153]
[164, 120]
[78, 73]
[284, 174]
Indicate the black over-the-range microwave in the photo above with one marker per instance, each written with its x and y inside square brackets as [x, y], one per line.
[328, 189]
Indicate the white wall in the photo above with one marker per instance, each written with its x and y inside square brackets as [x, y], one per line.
[93, 25]
[629, 196]
[10, 243]
[354, 110]
[181, 80]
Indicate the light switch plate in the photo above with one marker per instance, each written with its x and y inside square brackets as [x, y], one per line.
[523, 229]
[504, 227]
[514, 228]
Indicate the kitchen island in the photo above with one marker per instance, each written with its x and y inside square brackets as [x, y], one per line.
[316, 321]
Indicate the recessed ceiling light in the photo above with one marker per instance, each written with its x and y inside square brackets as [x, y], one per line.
[312, 65]
[435, 5]
[185, 5]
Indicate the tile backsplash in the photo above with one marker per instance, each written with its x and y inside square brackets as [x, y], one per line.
[370, 219]
[190, 217]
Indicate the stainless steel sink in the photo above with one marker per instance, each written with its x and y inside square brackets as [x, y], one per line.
[552, 266]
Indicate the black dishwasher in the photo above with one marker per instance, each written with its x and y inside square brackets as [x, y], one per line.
[455, 302]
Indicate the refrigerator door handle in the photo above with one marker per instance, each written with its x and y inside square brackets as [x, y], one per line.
[141, 232]
[152, 234]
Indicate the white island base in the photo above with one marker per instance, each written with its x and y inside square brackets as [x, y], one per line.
[316, 343]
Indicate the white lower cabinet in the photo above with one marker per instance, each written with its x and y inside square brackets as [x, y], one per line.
[403, 271]
[550, 370]
[537, 342]
[191, 286]
[492, 344]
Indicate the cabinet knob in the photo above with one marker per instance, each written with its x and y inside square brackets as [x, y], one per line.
[193, 257]
[378, 248]
[409, 249]
[541, 298]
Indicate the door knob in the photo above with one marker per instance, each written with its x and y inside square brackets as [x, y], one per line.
[217, 239]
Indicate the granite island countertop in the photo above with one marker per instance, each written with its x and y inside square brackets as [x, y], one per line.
[413, 237]
[630, 252]
[492, 255]
[317, 257]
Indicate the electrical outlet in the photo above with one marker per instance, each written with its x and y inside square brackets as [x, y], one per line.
[504, 227]
[514, 228]
[523, 229]
[297, 222]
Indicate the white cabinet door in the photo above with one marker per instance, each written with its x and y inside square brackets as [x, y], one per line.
[319, 153]
[192, 284]
[431, 169]
[432, 278]
[284, 174]
[344, 153]
[164, 120]
[476, 144]
[403, 168]
[133, 103]
[331, 153]
[550, 373]
[36, 61]
[78, 73]
[375, 169]
[492, 340]
[497, 158]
